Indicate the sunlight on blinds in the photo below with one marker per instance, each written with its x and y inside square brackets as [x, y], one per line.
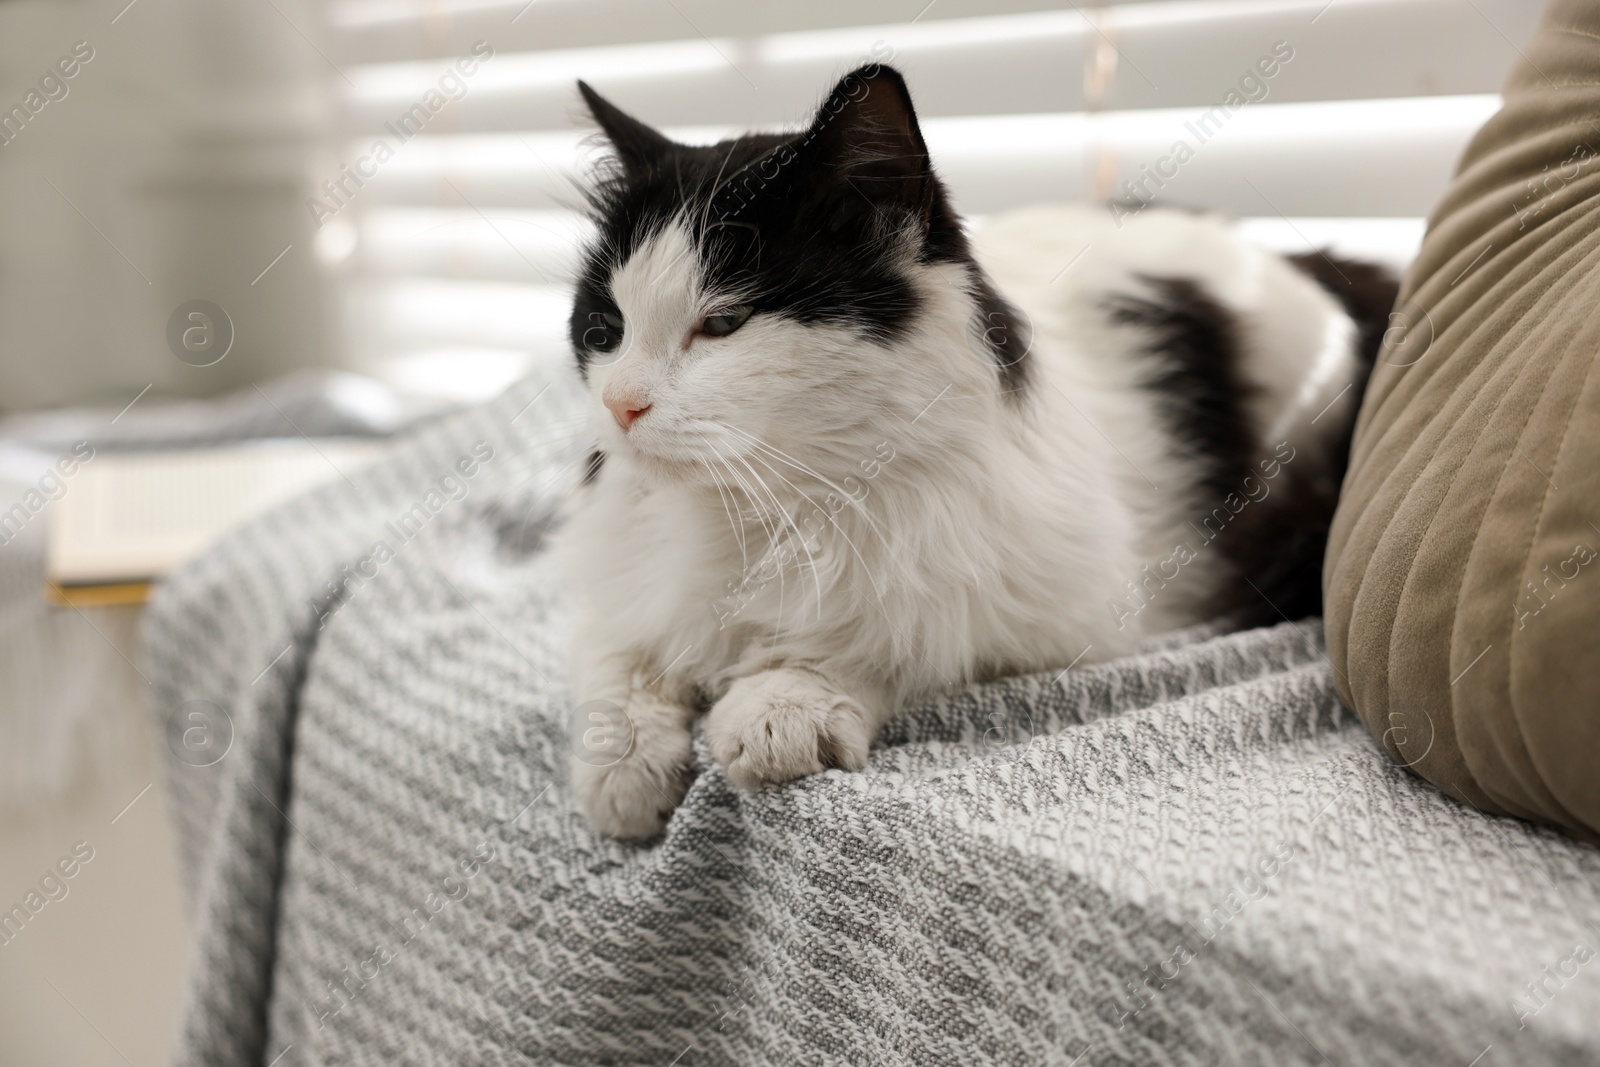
[1319, 125]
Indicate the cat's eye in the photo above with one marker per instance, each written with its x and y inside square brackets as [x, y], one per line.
[726, 321]
[604, 333]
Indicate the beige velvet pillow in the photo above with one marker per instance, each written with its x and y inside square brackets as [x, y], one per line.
[1462, 584]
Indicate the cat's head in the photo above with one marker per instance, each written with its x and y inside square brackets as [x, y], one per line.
[775, 294]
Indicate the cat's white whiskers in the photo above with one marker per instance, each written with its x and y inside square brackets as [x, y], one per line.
[811, 558]
[716, 183]
[776, 511]
[757, 506]
[735, 516]
[774, 546]
[738, 531]
[805, 469]
[756, 503]
[832, 521]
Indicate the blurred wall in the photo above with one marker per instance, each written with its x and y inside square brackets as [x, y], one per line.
[175, 167]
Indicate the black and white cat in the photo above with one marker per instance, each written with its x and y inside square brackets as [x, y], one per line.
[838, 470]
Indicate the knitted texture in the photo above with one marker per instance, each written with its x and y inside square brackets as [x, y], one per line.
[1190, 856]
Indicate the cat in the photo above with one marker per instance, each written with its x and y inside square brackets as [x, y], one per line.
[846, 461]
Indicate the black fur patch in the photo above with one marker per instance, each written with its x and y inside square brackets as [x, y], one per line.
[1201, 390]
[1007, 333]
[1265, 507]
[592, 464]
[1282, 548]
[815, 226]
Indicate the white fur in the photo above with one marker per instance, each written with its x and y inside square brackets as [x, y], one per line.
[984, 533]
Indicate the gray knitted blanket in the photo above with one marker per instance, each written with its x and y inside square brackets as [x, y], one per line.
[1191, 856]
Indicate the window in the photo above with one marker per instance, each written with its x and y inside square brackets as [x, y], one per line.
[1320, 123]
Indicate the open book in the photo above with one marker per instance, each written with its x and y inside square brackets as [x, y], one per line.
[128, 518]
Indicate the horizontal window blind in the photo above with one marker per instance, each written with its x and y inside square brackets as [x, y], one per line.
[1319, 124]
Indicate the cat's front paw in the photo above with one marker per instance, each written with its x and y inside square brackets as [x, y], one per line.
[782, 724]
[631, 765]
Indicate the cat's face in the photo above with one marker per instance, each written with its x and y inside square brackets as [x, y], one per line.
[752, 300]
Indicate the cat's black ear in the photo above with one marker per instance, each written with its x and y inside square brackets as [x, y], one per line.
[638, 146]
[866, 138]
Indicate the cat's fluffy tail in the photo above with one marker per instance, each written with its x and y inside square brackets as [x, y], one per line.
[1299, 528]
[1366, 291]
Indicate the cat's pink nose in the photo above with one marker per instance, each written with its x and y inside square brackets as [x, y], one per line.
[625, 409]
